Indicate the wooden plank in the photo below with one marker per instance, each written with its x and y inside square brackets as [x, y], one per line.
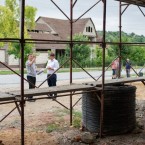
[6, 97]
[134, 2]
[49, 90]
[66, 88]
[116, 81]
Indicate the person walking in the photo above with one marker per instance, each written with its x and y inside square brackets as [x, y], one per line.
[52, 66]
[128, 67]
[31, 72]
[114, 67]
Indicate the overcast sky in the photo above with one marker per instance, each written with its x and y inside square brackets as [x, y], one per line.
[132, 19]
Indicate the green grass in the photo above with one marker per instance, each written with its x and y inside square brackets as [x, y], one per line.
[78, 69]
[77, 118]
[62, 70]
[62, 112]
[8, 72]
[52, 127]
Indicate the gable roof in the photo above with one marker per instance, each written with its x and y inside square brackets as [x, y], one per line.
[43, 27]
[50, 46]
[46, 36]
[43, 36]
[62, 27]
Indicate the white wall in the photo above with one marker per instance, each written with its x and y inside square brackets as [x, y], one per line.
[12, 60]
[42, 58]
[93, 33]
[2, 55]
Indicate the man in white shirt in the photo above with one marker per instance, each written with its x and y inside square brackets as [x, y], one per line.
[52, 66]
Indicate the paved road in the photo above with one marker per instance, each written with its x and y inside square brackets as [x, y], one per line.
[14, 79]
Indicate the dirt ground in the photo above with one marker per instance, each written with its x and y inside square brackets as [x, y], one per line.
[40, 114]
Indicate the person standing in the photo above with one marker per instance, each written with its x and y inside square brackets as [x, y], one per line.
[117, 67]
[52, 66]
[31, 72]
[128, 67]
[114, 67]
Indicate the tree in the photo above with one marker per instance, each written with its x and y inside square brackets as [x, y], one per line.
[81, 52]
[99, 57]
[137, 56]
[9, 25]
[125, 50]
[135, 53]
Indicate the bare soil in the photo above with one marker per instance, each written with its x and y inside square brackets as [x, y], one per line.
[38, 116]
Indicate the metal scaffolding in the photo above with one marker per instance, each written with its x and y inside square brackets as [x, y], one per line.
[22, 41]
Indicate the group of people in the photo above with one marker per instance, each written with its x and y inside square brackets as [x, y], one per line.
[116, 67]
[52, 66]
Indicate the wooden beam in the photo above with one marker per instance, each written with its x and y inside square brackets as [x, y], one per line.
[116, 81]
[50, 90]
[6, 97]
[134, 2]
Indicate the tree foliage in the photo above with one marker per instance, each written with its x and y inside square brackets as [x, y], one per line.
[135, 53]
[81, 52]
[125, 50]
[9, 25]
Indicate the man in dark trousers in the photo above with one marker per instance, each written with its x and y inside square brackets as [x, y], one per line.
[31, 72]
[128, 67]
[52, 66]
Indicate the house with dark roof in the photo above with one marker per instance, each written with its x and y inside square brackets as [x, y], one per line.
[54, 29]
[57, 29]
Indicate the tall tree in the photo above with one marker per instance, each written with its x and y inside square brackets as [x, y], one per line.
[9, 25]
[81, 52]
[125, 51]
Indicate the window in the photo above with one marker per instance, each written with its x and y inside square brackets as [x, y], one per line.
[89, 29]
[86, 29]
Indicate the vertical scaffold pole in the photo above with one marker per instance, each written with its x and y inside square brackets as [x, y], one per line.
[120, 38]
[22, 14]
[71, 54]
[103, 67]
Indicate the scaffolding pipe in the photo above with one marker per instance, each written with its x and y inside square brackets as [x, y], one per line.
[103, 68]
[120, 38]
[71, 55]
[22, 41]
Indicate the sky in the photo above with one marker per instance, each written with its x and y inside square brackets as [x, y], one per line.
[132, 18]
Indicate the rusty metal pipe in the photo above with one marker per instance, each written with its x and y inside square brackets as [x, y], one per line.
[122, 12]
[8, 114]
[22, 41]
[60, 9]
[103, 68]
[87, 10]
[16, 73]
[120, 37]
[77, 102]
[8, 102]
[84, 70]
[74, 3]
[71, 55]
[134, 71]
[61, 104]
[106, 69]
[141, 11]
[54, 72]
